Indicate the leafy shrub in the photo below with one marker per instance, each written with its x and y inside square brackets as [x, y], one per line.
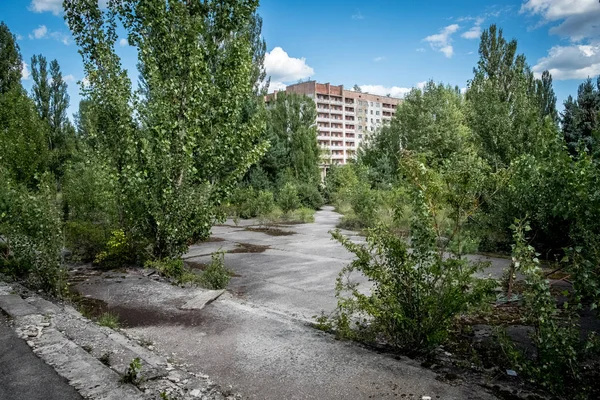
[561, 354]
[264, 203]
[215, 276]
[415, 296]
[288, 198]
[118, 251]
[30, 228]
[85, 239]
[310, 196]
[170, 268]
[301, 215]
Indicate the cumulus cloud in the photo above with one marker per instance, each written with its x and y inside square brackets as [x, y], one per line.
[69, 78]
[570, 62]
[578, 19]
[283, 68]
[441, 41]
[39, 33]
[276, 86]
[421, 85]
[42, 32]
[53, 6]
[25, 71]
[378, 59]
[123, 42]
[475, 31]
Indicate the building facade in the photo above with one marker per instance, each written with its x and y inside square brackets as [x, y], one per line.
[345, 117]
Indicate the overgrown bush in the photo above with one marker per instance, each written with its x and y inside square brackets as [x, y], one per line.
[310, 196]
[215, 276]
[30, 228]
[85, 239]
[287, 198]
[561, 355]
[415, 295]
[118, 252]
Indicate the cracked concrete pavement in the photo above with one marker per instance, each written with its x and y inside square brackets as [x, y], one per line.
[254, 338]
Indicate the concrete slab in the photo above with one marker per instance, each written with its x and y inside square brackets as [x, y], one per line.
[202, 299]
[15, 306]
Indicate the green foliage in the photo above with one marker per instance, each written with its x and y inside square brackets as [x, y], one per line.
[215, 276]
[118, 252]
[170, 268]
[11, 63]
[415, 295]
[31, 229]
[109, 320]
[132, 374]
[292, 133]
[310, 196]
[288, 198]
[560, 353]
[85, 239]
[177, 146]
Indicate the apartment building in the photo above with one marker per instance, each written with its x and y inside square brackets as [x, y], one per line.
[345, 117]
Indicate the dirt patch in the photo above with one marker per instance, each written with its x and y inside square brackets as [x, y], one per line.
[249, 248]
[272, 231]
[212, 239]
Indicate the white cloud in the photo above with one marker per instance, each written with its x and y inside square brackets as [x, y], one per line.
[53, 6]
[19, 37]
[448, 51]
[69, 78]
[421, 85]
[380, 58]
[421, 50]
[25, 71]
[61, 37]
[570, 62]
[39, 33]
[123, 42]
[578, 18]
[42, 32]
[441, 41]
[381, 90]
[473, 33]
[283, 68]
[276, 86]
[357, 15]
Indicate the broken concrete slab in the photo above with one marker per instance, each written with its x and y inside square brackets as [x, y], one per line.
[15, 306]
[202, 299]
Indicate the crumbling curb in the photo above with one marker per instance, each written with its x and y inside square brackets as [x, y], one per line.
[93, 358]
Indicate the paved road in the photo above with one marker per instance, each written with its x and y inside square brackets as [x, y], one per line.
[254, 338]
[23, 376]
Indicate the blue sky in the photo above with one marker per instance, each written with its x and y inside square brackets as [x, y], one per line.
[384, 46]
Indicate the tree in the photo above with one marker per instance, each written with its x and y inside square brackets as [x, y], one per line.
[292, 133]
[40, 91]
[504, 111]
[11, 63]
[357, 88]
[49, 93]
[178, 146]
[430, 121]
[547, 97]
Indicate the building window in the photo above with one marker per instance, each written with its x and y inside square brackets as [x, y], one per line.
[371, 104]
[377, 112]
[360, 135]
[378, 121]
[371, 112]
